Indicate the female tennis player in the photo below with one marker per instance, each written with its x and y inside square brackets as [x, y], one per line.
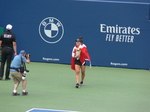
[79, 56]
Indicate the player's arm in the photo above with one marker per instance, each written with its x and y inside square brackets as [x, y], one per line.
[28, 58]
[74, 53]
[15, 48]
[0, 43]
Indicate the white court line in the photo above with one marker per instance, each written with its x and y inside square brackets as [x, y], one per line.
[50, 110]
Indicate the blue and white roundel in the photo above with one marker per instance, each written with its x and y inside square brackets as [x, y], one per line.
[51, 30]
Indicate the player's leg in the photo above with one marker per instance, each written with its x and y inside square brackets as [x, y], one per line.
[83, 74]
[3, 60]
[77, 70]
[17, 78]
[24, 83]
[9, 58]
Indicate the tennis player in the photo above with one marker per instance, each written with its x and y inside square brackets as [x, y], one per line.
[79, 56]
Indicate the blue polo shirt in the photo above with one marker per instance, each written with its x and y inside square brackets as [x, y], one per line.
[16, 63]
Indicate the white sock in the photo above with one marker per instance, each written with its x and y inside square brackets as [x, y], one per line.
[23, 90]
[15, 91]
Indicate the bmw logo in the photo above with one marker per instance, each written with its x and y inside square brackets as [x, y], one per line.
[51, 30]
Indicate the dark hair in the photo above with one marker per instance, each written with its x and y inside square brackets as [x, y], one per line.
[79, 39]
[8, 30]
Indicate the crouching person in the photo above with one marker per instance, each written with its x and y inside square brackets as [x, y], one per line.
[17, 73]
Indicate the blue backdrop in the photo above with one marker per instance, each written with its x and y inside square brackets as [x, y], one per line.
[117, 33]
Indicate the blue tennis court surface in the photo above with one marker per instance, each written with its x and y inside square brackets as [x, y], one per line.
[47, 110]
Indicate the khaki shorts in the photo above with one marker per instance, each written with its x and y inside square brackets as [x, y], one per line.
[17, 77]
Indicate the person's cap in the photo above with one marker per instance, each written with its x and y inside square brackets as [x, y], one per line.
[9, 27]
[22, 52]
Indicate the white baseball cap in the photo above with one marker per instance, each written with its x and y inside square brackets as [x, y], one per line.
[9, 27]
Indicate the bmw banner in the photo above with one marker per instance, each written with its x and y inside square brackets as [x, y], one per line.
[116, 32]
